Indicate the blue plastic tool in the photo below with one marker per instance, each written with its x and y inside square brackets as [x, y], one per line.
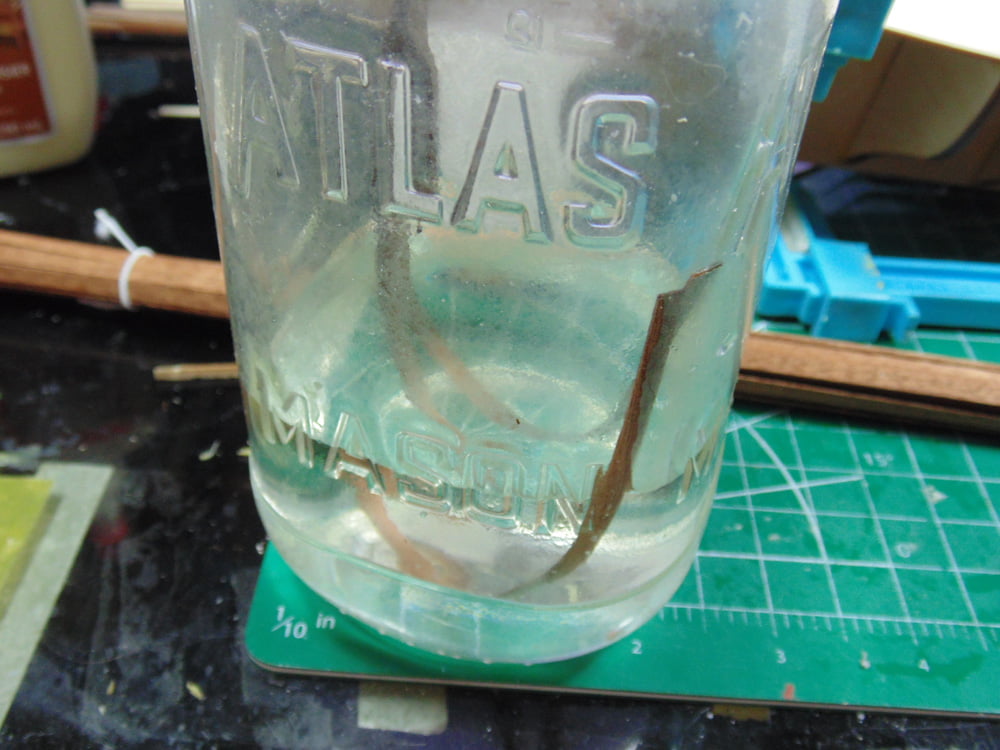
[856, 31]
[840, 290]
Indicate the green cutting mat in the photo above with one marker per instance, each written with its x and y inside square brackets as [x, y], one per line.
[844, 564]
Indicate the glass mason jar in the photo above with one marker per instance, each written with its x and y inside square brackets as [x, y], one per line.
[489, 268]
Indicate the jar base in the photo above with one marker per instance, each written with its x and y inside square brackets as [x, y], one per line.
[459, 625]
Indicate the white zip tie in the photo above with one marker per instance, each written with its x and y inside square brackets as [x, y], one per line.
[106, 224]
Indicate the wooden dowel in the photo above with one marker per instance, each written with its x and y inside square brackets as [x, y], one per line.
[195, 371]
[833, 376]
[110, 18]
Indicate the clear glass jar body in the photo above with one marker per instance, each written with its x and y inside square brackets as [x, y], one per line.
[489, 269]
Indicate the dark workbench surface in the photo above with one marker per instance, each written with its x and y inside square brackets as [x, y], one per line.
[159, 591]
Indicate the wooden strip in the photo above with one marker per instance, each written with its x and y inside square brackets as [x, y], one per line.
[837, 376]
[900, 408]
[872, 369]
[79, 269]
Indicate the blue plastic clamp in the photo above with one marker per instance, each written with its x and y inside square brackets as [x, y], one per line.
[857, 29]
[840, 290]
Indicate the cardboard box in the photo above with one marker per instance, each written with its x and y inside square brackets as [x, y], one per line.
[926, 106]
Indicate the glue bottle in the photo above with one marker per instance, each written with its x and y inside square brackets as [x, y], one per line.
[48, 85]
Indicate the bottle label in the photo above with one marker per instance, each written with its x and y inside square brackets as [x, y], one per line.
[23, 113]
